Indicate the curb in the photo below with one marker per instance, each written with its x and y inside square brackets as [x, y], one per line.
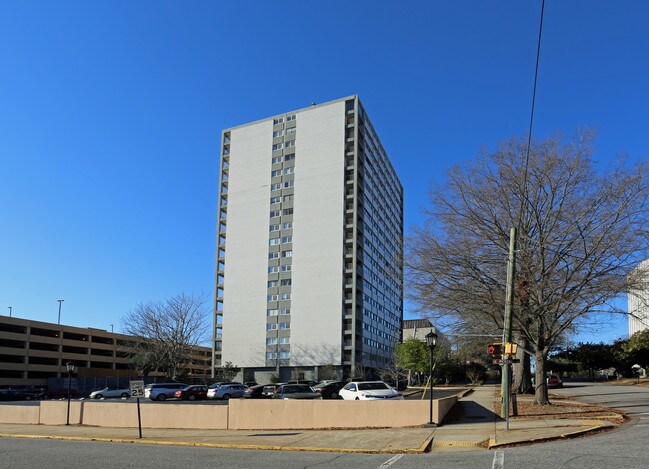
[423, 448]
[493, 444]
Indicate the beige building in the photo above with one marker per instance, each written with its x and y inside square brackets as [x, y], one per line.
[309, 250]
[31, 352]
[417, 328]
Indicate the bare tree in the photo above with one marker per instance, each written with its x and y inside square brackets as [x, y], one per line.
[166, 332]
[581, 231]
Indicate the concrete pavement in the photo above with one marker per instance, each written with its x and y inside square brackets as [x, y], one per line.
[472, 426]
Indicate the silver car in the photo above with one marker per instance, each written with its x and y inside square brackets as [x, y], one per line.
[110, 391]
[226, 391]
[162, 391]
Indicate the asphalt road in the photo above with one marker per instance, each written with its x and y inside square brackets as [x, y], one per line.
[625, 448]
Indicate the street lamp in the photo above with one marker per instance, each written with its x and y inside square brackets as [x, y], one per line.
[70, 367]
[431, 340]
[60, 301]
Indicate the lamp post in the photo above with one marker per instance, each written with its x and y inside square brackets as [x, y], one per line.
[431, 340]
[70, 367]
[60, 301]
[10, 309]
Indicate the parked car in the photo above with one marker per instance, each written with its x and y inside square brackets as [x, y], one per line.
[296, 391]
[15, 395]
[554, 381]
[162, 391]
[329, 390]
[222, 383]
[269, 389]
[369, 391]
[191, 393]
[308, 382]
[256, 392]
[251, 383]
[227, 391]
[110, 391]
[58, 394]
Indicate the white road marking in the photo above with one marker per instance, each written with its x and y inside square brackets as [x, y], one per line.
[390, 461]
[499, 460]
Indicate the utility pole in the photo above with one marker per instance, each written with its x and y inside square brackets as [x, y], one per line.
[507, 327]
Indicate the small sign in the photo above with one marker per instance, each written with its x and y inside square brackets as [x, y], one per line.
[137, 388]
[505, 361]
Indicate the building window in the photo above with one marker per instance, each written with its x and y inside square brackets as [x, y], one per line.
[284, 340]
[285, 296]
[287, 239]
[284, 325]
[273, 242]
[285, 282]
[271, 312]
[275, 187]
[285, 311]
[290, 170]
[286, 268]
[290, 157]
[290, 118]
[288, 211]
[284, 354]
[288, 198]
[277, 172]
[288, 225]
[272, 283]
[273, 255]
[275, 200]
[287, 144]
[275, 213]
[279, 120]
[277, 146]
[278, 133]
[271, 340]
[276, 159]
[288, 184]
[271, 355]
[273, 269]
[290, 131]
[274, 227]
[271, 298]
[287, 253]
[271, 326]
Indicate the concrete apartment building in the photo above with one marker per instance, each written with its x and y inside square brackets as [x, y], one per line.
[32, 353]
[309, 250]
[638, 304]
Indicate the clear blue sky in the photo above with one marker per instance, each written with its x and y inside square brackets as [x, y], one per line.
[111, 112]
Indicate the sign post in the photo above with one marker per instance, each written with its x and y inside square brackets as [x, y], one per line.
[137, 391]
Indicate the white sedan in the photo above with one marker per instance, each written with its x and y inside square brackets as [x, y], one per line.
[110, 392]
[369, 391]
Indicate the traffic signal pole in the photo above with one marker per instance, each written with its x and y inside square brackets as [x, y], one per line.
[505, 385]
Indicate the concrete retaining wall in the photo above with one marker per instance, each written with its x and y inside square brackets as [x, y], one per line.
[20, 414]
[240, 414]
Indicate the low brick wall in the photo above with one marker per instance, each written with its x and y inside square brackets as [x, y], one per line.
[240, 414]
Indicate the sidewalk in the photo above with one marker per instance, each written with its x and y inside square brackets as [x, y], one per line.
[471, 426]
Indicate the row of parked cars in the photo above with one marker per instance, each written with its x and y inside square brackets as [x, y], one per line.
[299, 389]
[362, 390]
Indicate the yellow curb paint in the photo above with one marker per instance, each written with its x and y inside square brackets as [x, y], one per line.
[458, 443]
[426, 445]
[224, 445]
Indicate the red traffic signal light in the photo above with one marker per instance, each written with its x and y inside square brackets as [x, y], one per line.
[495, 349]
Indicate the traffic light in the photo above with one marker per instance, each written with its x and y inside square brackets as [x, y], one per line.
[510, 348]
[495, 350]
